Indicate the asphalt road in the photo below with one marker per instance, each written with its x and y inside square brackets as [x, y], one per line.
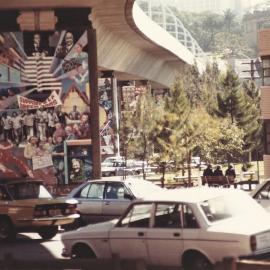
[29, 246]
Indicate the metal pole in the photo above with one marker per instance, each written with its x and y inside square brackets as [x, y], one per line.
[116, 114]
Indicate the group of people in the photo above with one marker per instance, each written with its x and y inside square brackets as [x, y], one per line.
[43, 123]
[218, 171]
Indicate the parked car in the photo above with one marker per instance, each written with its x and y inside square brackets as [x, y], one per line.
[262, 194]
[119, 166]
[101, 200]
[26, 205]
[193, 227]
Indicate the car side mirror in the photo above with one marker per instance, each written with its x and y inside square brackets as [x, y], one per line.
[128, 197]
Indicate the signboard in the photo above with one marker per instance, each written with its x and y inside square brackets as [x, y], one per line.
[40, 162]
[27, 104]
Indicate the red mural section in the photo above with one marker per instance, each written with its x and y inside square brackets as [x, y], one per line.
[45, 106]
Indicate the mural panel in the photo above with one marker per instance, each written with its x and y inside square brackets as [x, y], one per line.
[107, 132]
[44, 102]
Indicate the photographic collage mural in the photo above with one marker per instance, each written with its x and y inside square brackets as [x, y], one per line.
[44, 106]
[107, 132]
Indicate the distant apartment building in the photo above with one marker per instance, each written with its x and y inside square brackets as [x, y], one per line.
[254, 22]
[264, 52]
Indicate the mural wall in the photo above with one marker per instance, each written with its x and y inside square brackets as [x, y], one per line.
[44, 106]
[107, 132]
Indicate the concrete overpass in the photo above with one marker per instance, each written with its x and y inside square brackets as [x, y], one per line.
[128, 42]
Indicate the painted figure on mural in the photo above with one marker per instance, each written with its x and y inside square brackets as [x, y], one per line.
[63, 49]
[10, 165]
[76, 172]
[37, 49]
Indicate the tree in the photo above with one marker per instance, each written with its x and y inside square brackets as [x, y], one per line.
[167, 135]
[144, 121]
[253, 127]
[126, 130]
[223, 141]
[210, 86]
[228, 19]
[231, 101]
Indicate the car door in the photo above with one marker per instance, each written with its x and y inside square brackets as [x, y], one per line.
[191, 229]
[90, 199]
[128, 237]
[263, 196]
[164, 239]
[116, 200]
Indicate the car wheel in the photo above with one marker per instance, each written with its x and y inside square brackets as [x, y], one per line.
[48, 232]
[196, 261]
[82, 251]
[7, 231]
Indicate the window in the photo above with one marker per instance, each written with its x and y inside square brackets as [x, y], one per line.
[116, 190]
[167, 216]
[138, 216]
[267, 136]
[3, 195]
[92, 191]
[190, 221]
[264, 193]
[23, 191]
[266, 71]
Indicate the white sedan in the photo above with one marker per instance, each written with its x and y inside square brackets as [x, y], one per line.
[193, 227]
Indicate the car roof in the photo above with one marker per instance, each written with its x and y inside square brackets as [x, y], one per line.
[4, 181]
[118, 179]
[191, 195]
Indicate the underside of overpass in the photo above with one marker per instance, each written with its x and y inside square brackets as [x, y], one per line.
[122, 45]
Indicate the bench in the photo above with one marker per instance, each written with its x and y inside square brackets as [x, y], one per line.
[218, 180]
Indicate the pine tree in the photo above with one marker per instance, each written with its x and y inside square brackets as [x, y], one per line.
[210, 84]
[192, 85]
[167, 135]
[231, 101]
[144, 121]
[253, 127]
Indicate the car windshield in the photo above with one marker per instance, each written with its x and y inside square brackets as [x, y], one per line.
[142, 188]
[21, 191]
[229, 206]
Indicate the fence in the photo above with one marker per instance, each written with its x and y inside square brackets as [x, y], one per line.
[234, 264]
[9, 263]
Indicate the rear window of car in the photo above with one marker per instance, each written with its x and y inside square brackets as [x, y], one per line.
[229, 206]
[21, 191]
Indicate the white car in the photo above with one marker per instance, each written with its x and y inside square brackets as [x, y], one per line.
[193, 227]
[108, 198]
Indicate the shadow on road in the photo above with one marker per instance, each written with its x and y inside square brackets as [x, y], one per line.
[31, 246]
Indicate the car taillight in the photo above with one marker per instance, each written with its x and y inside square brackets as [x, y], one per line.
[40, 212]
[253, 243]
[71, 209]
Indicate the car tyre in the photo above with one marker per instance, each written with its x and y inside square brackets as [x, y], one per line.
[82, 251]
[48, 232]
[196, 261]
[7, 231]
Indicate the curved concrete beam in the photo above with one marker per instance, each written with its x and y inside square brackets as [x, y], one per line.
[126, 43]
